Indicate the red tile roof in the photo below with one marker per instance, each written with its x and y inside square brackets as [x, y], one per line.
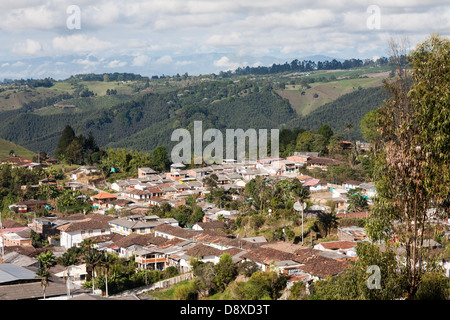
[105, 195]
[269, 255]
[334, 245]
[322, 267]
[91, 222]
[358, 215]
[140, 239]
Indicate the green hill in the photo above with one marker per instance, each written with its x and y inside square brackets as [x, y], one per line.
[19, 151]
[349, 108]
[321, 93]
[142, 115]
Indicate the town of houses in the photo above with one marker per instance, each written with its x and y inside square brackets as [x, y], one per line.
[158, 243]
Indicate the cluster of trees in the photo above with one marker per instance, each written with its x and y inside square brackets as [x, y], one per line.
[111, 92]
[70, 201]
[116, 76]
[106, 271]
[349, 108]
[84, 150]
[412, 177]
[186, 215]
[11, 180]
[357, 282]
[412, 160]
[128, 161]
[308, 65]
[270, 205]
[77, 149]
[32, 83]
[211, 279]
[323, 141]
[44, 102]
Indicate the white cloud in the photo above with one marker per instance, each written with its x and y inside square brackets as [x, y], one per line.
[31, 17]
[164, 60]
[177, 28]
[28, 48]
[80, 43]
[18, 64]
[140, 61]
[116, 64]
[224, 62]
[86, 62]
[184, 62]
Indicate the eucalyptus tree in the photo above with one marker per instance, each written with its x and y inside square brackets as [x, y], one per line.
[412, 161]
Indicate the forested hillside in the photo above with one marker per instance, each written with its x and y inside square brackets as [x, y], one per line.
[141, 114]
[349, 108]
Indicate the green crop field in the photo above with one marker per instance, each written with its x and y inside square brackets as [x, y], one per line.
[324, 92]
[19, 151]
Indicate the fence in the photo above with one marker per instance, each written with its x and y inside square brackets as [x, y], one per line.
[157, 285]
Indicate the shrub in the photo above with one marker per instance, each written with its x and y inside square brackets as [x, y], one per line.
[187, 291]
[170, 272]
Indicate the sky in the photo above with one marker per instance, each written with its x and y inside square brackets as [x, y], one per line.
[57, 38]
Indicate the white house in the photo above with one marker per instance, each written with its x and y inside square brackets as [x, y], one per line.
[77, 274]
[136, 194]
[351, 184]
[368, 189]
[316, 185]
[344, 247]
[139, 224]
[73, 233]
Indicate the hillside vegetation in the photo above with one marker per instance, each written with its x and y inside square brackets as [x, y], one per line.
[141, 113]
[7, 146]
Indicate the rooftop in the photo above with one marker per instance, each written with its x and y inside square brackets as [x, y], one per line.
[104, 195]
[11, 273]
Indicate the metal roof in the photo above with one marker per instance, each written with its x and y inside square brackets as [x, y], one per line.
[10, 272]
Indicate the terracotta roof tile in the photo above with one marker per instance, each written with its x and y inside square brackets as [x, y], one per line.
[90, 222]
[203, 250]
[268, 255]
[334, 245]
[105, 195]
[322, 267]
[139, 239]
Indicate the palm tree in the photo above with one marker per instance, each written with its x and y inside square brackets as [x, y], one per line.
[325, 223]
[44, 274]
[348, 127]
[302, 194]
[46, 260]
[106, 262]
[92, 258]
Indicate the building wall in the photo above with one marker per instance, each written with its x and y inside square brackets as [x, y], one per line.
[70, 239]
[345, 236]
[164, 235]
[9, 242]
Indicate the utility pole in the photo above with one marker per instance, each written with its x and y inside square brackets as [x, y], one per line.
[68, 282]
[2, 258]
[301, 208]
[303, 231]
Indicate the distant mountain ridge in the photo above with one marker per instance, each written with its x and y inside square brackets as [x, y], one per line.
[62, 67]
[141, 113]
